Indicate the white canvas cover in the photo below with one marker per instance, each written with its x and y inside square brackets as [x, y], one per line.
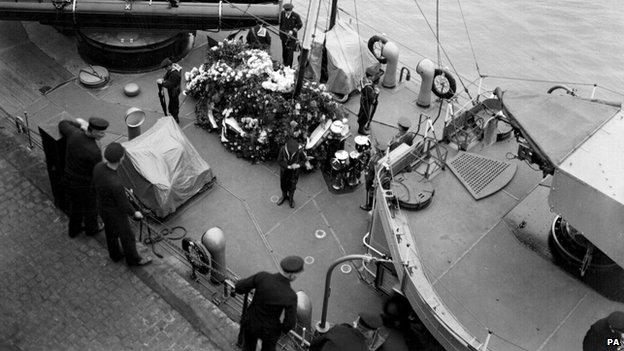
[347, 58]
[163, 168]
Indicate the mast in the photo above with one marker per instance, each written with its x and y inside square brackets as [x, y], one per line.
[332, 16]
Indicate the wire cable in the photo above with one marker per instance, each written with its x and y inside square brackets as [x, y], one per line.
[474, 56]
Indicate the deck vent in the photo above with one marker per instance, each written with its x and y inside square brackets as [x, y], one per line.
[481, 175]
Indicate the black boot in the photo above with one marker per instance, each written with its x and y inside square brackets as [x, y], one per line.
[282, 199]
[291, 199]
[369, 201]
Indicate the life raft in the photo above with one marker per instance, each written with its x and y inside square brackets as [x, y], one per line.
[371, 47]
[444, 79]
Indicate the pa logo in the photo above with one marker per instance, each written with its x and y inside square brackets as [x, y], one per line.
[614, 342]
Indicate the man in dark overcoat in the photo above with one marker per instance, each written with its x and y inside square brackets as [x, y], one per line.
[290, 158]
[606, 334]
[290, 23]
[115, 208]
[81, 155]
[369, 95]
[172, 81]
[273, 310]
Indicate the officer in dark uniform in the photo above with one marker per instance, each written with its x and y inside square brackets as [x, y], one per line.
[258, 38]
[607, 334]
[368, 98]
[381, 335]
[290, 23]
[273, 299]
[82, 154]
[403, 135]
[290, 159]
[369, 176]
[115, 208]
[172, 81]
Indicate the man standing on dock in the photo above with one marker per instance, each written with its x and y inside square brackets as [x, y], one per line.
[273, 309]
[115, 208]
[81, 156]
[172, 81]
[290, 23]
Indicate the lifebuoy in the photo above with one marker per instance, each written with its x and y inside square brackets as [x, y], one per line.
[444, 85]
[196, 256]
[371, 47]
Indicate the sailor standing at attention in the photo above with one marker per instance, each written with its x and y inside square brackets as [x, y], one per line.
[273, 310]
[290, 23]
[368, 99]
[115, 208]
[172, 81]
[81, 155]
[290, 159]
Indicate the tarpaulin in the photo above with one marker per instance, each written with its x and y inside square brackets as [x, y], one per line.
[163, 168]
[347, 58]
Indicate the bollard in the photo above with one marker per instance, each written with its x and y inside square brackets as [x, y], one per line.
[134, 118]
[391, 52]
[304, 310]
[214, 240]
[426, 70]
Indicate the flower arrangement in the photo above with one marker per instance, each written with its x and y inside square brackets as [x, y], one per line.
[246, 85]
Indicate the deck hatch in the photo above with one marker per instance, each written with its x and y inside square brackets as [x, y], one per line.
[481, 175]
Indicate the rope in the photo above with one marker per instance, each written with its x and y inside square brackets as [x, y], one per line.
[474, 56]
[552, 81]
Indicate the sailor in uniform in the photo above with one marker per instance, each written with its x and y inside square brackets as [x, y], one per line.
[403, 135]
[172, 81]
[258, 38]
[368, 98]
[115, 208]
[273, 310]
[290, 158]
[290, 23]
[82, 154]
[369, 176]
[607, 334]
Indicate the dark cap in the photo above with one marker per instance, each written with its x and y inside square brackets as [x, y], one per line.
[616, 321]
[165, 63]
[288, 7]
[374, 70]
[97, 123]
[292, 264]
[114, 152]
[405, 122]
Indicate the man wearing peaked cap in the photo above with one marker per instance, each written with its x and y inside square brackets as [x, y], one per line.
[290, 23]
[273, 300]
[115, 208]
[403, 135]
[606, 334]
[81, 155]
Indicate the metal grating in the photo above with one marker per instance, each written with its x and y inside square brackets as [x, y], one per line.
[481, 175]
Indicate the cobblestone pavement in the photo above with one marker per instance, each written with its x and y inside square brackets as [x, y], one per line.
[58, 293]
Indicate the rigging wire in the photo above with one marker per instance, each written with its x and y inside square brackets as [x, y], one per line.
[443, 50]
[357, 24]
[438, 31]
[474, 56]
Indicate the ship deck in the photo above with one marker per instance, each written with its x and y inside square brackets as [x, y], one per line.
[489, 261]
